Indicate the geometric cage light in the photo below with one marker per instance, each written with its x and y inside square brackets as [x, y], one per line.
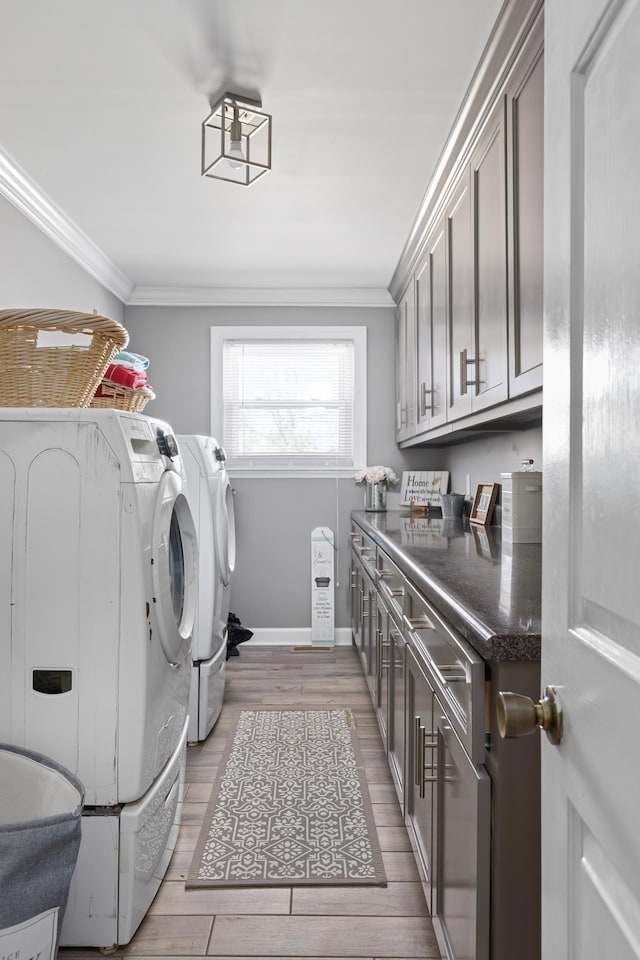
[236, 140]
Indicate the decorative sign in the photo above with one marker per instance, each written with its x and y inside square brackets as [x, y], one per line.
[423, 487]
[322, 587]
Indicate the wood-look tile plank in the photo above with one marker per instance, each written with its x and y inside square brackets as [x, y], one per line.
[180, 863]
[383, 792]
[173, 899]
[306, 936]
[198, 793]
[193, 812]
[393, 838]
[394, 900]
[387, 815]
[400, 865]
[170, 936]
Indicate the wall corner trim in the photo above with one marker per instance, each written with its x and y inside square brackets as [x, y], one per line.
[17, 187]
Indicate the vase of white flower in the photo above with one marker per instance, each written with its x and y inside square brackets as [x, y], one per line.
[376, 483]
[375, 496]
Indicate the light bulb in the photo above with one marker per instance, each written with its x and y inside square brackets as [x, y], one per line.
[235, 152]
[235, 136]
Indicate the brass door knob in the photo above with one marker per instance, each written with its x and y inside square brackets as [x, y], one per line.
[518, 715]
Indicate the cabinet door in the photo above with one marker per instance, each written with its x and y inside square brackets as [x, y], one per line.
[431, 320]
[486, 371]
[368, 651]
[381, 699]
[461, 297]
[397, 708]
[406, 366]
[525, 102]
[463, 830]
[420, 774]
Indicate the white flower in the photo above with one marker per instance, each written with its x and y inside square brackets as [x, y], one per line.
[377, 474]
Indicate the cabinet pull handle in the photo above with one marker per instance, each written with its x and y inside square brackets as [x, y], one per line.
[424, 390]
[421, 740]
[390, 594]
[418, 623]
[363, 613]
[464, 363]
[416, 756]
[451, 678]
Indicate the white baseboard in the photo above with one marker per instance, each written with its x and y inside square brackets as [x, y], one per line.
[294, 636]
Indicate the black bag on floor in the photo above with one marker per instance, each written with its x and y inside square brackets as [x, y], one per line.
[236, 634]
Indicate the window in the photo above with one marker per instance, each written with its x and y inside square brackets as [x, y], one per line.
[290, 400]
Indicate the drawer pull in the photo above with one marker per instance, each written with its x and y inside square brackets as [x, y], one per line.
[363, 613]
[418, 623]
[416, 753]
[451, 678]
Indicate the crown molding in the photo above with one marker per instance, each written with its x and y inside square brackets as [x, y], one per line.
[264, 297]
[17, 187]
[27, 196]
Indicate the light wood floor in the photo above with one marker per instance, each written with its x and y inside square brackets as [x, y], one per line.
[360, 923]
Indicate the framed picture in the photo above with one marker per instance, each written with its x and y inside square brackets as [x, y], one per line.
[484, 502]
[423, 487]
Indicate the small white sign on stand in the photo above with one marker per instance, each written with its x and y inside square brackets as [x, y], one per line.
[423, 487]
[322, 587]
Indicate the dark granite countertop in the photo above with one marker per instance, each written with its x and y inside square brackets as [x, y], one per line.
[490, 594]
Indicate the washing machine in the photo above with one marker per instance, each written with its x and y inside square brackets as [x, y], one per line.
[98, 593]
[210, 497]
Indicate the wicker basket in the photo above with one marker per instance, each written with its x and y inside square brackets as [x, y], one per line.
[33, 374]
[115, 396]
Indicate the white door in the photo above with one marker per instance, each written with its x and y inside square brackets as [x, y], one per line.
[591, 574]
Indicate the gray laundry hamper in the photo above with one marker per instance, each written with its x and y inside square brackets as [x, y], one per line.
[40, 826]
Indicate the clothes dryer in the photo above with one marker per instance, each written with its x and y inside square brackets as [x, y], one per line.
[211, 501]
[98, 591]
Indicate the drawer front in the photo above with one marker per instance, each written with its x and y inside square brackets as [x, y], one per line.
[392, 585]
[364, 548]
[454, 668]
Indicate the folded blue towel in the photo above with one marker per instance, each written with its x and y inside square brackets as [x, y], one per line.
[134, 361]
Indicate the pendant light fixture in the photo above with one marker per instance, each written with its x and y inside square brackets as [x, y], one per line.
[236, 140]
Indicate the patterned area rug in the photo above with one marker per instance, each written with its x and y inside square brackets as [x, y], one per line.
[290, 806]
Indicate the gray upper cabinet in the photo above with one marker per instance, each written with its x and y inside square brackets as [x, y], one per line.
[406, 370]
[488, 367]
[460, 289]
[525, 95]
[470, 325]
[432, 331]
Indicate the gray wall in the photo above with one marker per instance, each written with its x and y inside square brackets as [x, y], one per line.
[484, 459]
[35, 272]
[274, 518]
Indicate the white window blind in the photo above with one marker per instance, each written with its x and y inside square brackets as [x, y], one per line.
[290, 402]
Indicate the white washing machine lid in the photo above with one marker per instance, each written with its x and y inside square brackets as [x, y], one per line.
[174, 568]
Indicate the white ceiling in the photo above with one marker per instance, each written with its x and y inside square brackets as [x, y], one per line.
[101, 105]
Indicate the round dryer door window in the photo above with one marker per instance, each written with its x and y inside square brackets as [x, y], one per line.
[174, 569]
